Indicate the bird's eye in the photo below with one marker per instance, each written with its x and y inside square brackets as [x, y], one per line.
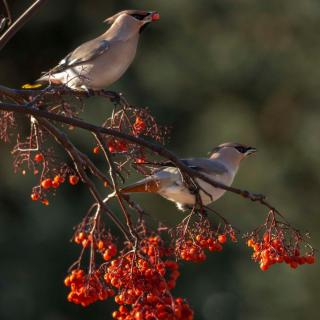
[138, 16]
[241, 149]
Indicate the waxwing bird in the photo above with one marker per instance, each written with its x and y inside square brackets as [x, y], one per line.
[221, 166]
[98, 63]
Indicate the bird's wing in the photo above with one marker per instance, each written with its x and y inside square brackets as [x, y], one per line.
[205, 165]
[84, 53]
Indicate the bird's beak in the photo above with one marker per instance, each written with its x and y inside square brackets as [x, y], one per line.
[152, 16]
[250, 151]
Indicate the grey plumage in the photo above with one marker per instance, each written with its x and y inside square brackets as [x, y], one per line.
[100, 62]
[83, 54]
[206, 165]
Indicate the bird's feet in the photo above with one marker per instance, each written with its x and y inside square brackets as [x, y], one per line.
[115, 97]
[88, 92]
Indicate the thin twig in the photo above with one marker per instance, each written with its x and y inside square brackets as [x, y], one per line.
[95, 170]
[113, 176]
[20, 22]
[9, 16]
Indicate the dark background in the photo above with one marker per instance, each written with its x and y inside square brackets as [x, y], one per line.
[215, 71]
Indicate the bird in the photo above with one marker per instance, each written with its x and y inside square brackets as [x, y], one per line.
[98, 63]
[221, 166]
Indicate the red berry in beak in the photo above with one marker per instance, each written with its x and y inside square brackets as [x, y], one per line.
[155, 16]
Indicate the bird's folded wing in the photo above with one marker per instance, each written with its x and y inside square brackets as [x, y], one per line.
[84, 53]
[205, 165]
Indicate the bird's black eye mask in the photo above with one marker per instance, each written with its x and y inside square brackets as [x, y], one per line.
[242, 149]
[138, 16]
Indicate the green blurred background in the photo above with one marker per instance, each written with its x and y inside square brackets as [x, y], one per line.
[216, 71]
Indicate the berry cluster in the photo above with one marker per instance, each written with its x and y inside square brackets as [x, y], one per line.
[136, 121]
[107, 249]
[272, 248]
[48, 183]
[52, 183]
[143, 281]
[193, 238]
[103, 245]
[117, 145]
[86, 289]
[83, 238]
[166, 309]
[190, 250]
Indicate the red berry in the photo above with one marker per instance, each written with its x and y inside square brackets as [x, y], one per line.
[100, 245]
[155, 16]
[139, 126]
[222, 238]
[73, 180]
[266, 237]
[107, 256]
[46, 184]
[58, 179]
[35, 196]
[140, 160]
[250, 243]
[45, 202]
[96, 150]
[264, 266]
[310, 259]
[38, 157]
[55, 184]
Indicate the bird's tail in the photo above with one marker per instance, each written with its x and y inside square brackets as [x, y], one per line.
[48, 78]
[31, 86]
[42, 81]
[146, 185]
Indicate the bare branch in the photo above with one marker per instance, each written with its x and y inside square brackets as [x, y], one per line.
[160, 150]
[78, 161]
[113, 176]
[9, 16]
[20, 22]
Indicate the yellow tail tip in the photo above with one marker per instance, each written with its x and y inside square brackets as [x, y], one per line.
[31, 86]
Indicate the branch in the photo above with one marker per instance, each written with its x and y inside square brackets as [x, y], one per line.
[160, 150]
[9, 16]
[20, 22]
[113, 176]
[74, 154]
